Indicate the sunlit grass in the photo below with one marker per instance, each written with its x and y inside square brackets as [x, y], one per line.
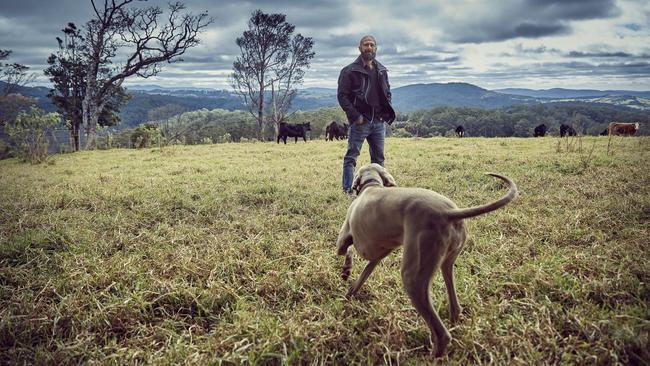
[203, 254]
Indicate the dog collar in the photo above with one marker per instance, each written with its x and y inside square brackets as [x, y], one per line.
[368, 182]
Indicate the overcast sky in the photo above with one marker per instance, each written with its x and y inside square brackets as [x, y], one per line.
[537, 44]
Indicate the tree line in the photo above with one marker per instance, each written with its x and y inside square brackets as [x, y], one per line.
[171, 125]
[516, 121]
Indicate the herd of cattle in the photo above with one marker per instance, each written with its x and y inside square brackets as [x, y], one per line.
[339, 131]
[333, 131]
[614, 129]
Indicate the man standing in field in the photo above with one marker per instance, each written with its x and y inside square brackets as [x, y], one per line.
[364, 94]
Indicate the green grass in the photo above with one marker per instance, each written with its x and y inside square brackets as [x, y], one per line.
[226, 253]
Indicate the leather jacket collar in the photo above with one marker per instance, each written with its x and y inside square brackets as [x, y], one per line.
[358, 66]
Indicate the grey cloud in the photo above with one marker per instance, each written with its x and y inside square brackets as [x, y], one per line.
[576, 9]
[531, 19]
[502, 32]
[303, 14]
[521, 50]
[29, 27]
[569, 69]
[529, 30]
[599, 54]
[339, 41]
[633, 27]
[422, 59]
[414, 73]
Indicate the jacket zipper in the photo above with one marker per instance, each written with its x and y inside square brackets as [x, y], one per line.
[365, 97]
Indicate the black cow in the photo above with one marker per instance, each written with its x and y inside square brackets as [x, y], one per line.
[605, 132]
[460, 131]
[336, 130]
[566, 130]
[291, 130]
[540, 130]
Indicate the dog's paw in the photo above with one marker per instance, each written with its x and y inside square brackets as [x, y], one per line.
[345, 274]
[441, 344]
[349, 294]
[455, 316]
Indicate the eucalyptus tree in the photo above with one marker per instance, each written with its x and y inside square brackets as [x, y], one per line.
[270, 58]
[67, 72]
[125, 41]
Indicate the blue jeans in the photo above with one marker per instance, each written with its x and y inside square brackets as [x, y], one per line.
[375, 133]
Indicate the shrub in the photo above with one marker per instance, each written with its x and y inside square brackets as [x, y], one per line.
[5, 150]
[225, 138]
[28, 134]
[400, 132]
[145, 135]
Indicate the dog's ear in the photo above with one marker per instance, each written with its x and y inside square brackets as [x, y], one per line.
[356, 182]
[387, 179]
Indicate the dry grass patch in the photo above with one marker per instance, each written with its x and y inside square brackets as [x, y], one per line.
[225, 253]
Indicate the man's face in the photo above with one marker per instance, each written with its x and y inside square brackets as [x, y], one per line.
[368, 49]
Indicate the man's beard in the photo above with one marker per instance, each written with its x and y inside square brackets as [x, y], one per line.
[368, 56]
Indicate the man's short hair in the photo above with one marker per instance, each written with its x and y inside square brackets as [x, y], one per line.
[367, 37]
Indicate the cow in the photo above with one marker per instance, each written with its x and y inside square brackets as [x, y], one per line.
[605, 132]
[336, 130]
[460, 131]
[566, 130]
[540, 130]
[291, 130]
[624, 129]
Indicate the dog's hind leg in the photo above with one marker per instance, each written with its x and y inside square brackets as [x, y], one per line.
[420, 261]
[362, 278]
[447, 269]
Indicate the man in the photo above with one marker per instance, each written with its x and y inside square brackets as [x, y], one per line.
[364, 94]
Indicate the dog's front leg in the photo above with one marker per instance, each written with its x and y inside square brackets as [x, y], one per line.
[362, 278]
[342, 245]
[347, 266]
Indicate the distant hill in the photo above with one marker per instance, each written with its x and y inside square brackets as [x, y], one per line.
[559, 93]
[39, 93]
[405, 99]
[419, 96]
[137, 108]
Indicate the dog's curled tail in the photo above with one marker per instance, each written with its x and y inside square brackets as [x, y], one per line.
[463, 213]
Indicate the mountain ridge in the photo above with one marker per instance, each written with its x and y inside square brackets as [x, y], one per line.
[405, 99]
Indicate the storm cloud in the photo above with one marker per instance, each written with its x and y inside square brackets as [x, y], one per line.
[510, 43]
[525, 19]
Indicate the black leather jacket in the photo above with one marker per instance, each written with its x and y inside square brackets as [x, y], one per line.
[353, 91]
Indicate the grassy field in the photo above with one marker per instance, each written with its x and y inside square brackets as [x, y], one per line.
[226, 254]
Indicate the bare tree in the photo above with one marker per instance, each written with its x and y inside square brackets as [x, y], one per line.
[116, 27]
[288, 76]
[14, 75]
[168, 117]
[269, 58]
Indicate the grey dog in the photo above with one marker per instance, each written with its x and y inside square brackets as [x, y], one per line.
[428, 224]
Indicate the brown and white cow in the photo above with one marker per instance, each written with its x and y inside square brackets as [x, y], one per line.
[625, 129]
